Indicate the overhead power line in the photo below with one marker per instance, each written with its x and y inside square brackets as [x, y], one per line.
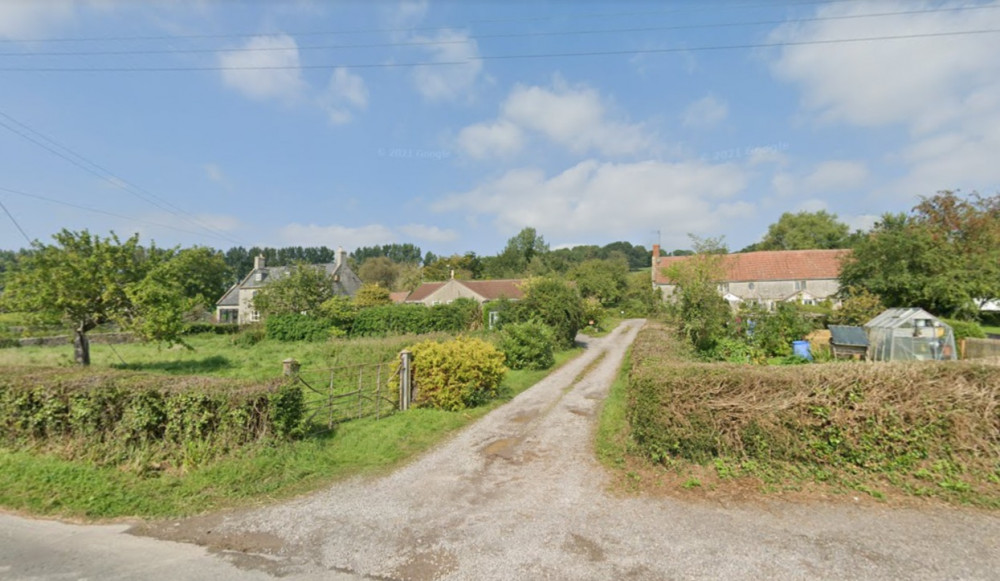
[59, 150]
[468, 60]
[16, 225]
[440, 28]
[477, 37]
[98, 211]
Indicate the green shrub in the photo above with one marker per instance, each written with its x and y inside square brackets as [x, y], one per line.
[216, 328]
[965, 329]
[527, 345]
[124, 418]
[250, 335]
[456, 374]
[555, 303]
[297, 328]
[460, 315]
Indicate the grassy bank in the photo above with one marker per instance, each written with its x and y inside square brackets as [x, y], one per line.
[46, 485]
[889, 430]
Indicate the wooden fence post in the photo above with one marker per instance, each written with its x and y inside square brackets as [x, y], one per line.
[405, 394]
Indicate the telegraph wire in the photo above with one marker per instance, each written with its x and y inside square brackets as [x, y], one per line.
[98, 211]
[472, 59]
[107, 175]
[18, 226]
[477, 37]
[604, 15]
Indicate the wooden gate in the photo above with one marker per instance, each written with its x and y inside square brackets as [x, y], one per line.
[347, 393]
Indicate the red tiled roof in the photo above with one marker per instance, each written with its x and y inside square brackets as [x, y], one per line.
[770, 265]
[488, 289]
[495, 289]
[399, 297]
[423, 291]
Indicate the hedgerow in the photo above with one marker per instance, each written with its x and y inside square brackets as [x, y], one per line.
[139, 420]
[926, 428]
[527, 345]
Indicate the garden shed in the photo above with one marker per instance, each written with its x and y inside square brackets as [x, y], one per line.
[909, 334]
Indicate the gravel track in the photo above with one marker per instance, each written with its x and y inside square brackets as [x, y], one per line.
[518, 495]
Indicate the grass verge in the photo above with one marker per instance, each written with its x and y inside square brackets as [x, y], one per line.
[44, 485]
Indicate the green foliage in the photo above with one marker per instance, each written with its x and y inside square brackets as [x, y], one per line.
[296, 327]
[462, 266]
[396, 253]
[250, 335]
[605, 280]
[965, 329]
[200, 273]
[380, 271]
[641, 298]
[214, 328]
[555, 303]
[302, 290]
[460, 315]
[528, 345]
[593, 313]
[340, 311]
[857, 307]
[772, 332]
[86, 281]
[702, 312]
[457, 374]
[863, 426]
[138, 420]
[943, 257]
[372, 295]
[803, 231]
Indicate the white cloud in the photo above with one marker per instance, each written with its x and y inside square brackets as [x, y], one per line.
[490, 139]
[575, 117]
[610, 200]
[428, 233]
[705, 113]
[448, 82]
[215, 173]
[828, 176]
[944, 91]
[27, 19]
[335, 235]
[268, 69]
[345, 93]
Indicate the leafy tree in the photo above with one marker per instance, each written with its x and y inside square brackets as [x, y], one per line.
[555, 303]
[372, 295]
[803, 231]
[465, 266]
[379, 270]
[602, 279]
[944, 256]
[703, 313]
[517, 255]
[857, 307]
[302, 290]
[87, 281]
[200, 272]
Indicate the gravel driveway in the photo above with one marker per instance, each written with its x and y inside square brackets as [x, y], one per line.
[518, 495]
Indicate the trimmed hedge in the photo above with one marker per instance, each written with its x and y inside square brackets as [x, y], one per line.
[138, 420]
[933, 424]
[527, 345]
[457, 374]
[416, 319]
[296, 327]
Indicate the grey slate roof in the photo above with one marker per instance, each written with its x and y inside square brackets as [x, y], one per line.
[848, 335]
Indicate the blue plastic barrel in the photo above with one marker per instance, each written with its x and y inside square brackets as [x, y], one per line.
[801, 348]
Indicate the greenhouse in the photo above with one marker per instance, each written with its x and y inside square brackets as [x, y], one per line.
[909, 334]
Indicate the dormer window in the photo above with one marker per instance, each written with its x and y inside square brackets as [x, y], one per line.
[259, 276]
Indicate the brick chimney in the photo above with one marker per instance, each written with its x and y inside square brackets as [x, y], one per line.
[340, 257]
[258, 262]
[656, 261]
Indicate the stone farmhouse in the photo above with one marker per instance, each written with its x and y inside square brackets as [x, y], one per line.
[768, 277]
[481, 291]
[235, 305]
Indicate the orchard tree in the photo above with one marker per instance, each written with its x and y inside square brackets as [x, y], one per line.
[804, 231]
[86, 281]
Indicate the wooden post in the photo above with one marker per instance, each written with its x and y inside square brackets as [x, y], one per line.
[290, 367]
[405, 395]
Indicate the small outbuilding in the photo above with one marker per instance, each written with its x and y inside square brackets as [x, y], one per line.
[848, 342]
[908, 335]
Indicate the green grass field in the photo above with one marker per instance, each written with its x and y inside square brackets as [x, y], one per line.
[46, 485]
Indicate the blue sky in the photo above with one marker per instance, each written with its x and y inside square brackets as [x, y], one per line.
[454, 125]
